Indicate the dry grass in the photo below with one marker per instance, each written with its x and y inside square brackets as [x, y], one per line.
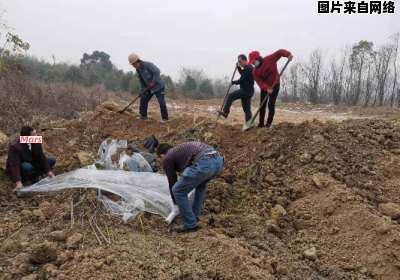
[24, 101]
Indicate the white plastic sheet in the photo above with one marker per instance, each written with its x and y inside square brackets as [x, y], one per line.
[140, 191]
[109, 148]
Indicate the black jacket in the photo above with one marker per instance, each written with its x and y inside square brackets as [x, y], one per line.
[246, 80]
[19, 152]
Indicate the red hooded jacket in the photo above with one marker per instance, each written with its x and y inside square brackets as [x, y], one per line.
[267, 75]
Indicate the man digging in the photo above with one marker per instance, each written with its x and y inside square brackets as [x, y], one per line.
[198, 163]
[149, 78]
[267, 77]
[246, 91]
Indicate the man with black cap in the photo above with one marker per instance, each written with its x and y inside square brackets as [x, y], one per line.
[267, 77]
[26, 162]
[149, 78]
[246, 91]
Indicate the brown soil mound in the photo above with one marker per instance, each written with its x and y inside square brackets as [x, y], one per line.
[298, 201]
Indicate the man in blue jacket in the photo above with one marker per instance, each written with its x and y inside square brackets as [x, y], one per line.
[149, 77]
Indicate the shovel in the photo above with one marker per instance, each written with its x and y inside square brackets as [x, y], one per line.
[227, 92]
[133, 101]
[250, 122]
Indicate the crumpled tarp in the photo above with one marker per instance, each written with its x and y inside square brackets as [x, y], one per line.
[129, 177]
[140, 191]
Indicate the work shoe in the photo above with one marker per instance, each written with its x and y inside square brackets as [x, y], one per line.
[164, 120]
[269, 126]
[183, 228]
[142, 117]
[260, 125]
[221, 113]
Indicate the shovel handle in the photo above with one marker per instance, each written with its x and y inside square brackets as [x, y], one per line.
[136, 98]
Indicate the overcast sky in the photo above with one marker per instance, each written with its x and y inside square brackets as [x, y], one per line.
[206, 34]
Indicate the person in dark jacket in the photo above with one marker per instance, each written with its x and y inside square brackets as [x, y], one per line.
[198, 163]
[149, 77]
[267, 77]
[25, 162]
[246, 91]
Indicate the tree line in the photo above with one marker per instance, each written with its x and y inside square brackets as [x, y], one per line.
[362, 74]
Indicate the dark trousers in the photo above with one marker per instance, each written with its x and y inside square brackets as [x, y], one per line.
[28, 172]
[246, 102]
[271, 106]
[145, 99]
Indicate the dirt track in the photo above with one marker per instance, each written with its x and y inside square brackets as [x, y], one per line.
[307, 199]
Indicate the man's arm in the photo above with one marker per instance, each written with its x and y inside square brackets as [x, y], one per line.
[170, 172]
[282, 53]
[244, 75]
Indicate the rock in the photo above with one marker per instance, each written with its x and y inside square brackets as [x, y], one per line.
[58, 235]
[26, 214]
[47, 209]
[63, 257]
[396, 151]
[322, 180]
[30, 277]
[319, 158]
[282, 201]
[390, 209]
[39, 214]
[98, 264]
[43, 253]
[310, 254]
[318, 138]
[301, 224]
[273, 227]
[84, 158]
[49, 271]
[272, 151]
[277, 212]
[74, 240]
[306, 157]
[271, 178]
[3, 137]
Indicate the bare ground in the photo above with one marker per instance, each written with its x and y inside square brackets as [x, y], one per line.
[315, 197]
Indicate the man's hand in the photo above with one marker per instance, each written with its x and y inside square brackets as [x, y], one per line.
[151, 85]
[50, 174]
[18, 186]
[269, 91]
[290, 57]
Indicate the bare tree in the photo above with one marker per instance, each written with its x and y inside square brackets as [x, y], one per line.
[337, 78]
[313, 73]
[395, 39]
[360, 59]
[382, 59]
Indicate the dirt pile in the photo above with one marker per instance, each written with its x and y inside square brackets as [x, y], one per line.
[299, 201]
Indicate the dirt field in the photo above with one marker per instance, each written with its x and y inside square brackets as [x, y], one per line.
[315, 197]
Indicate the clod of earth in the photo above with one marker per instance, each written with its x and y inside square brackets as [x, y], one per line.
[43, 253]
[390, 209]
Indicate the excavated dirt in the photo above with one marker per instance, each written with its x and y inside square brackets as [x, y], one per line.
[311, 200]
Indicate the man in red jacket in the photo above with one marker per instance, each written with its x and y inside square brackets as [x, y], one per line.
[267, 77]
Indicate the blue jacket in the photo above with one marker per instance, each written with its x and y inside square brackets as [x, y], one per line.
[149, 73]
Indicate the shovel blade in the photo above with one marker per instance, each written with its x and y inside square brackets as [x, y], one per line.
[247, 125]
